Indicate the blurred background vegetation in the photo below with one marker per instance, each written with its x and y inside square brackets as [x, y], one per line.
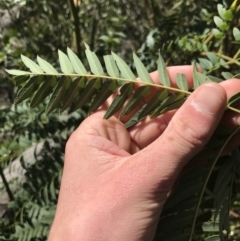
[32, 143]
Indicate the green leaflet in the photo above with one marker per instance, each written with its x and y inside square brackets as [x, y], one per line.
[111, 66]
[182, 82]
[94, 63]
[28, 89]
[124, 68]
[236, 34]
[135, 119]
[168, 101]
[198, 78]
[213, 78]
[205, 63]
[173, 106]
[76, 62]
[201, 78]
[17, 72]
[234, 100]
[43, 91]
[196, 83]
[155, 101]
[35, 68]
[107, 89]
[141, 70]
[162, 72]
[46, 67]
[75, 88]
[227, 75]
[213, 57]
[125, 91]
[58, 94]
[137, 97]
[65, 63]
[221, 10]
[88, 93]
[18, 80]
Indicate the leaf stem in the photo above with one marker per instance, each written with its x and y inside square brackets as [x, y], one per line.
[207, 179]
[233, 109]
[90, 77]
[236, 55]
[230, 60]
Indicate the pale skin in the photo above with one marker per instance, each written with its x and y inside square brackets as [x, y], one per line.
[116, 181]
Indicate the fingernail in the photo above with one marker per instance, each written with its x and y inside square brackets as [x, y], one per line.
[208, 99]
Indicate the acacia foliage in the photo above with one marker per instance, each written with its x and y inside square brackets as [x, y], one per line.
[143, 28]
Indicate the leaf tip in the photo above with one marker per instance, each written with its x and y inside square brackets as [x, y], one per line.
[86, 46]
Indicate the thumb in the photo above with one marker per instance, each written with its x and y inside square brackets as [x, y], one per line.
[188, 131]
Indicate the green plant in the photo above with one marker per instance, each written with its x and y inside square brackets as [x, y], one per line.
[198, 39]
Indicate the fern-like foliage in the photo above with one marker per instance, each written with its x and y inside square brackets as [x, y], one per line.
[75, 86]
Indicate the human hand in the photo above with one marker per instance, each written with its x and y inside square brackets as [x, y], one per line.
[115, 182]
